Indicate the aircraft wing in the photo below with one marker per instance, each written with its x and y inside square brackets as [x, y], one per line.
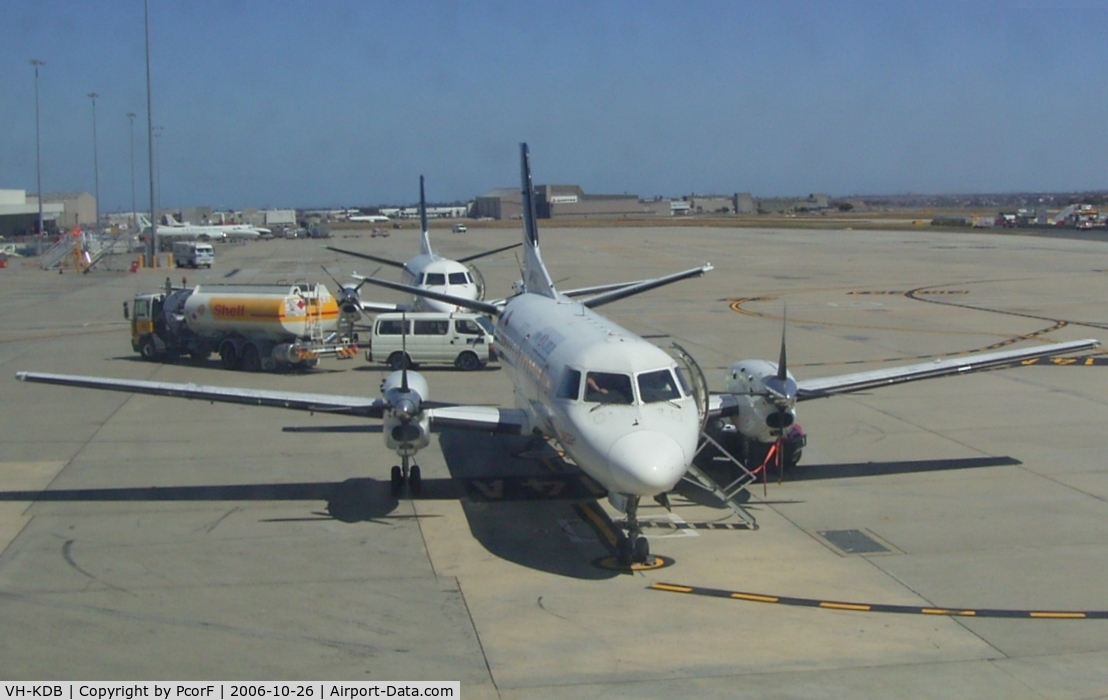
[367, 256]
[485, 418]
[487, 253]
[646, 285]
[846, 383]
[297, 401]
[375, 306]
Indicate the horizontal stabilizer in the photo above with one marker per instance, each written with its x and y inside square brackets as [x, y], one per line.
[367, 256]
[644, 286]
[479, 306]
[487, 253]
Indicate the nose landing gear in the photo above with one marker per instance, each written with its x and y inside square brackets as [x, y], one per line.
[405, 475]
[633, 548]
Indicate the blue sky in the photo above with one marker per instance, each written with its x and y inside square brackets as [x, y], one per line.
[334, 103]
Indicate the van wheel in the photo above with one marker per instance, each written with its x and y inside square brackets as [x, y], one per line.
[399, 360]
[148, 349]
[467, 362]
[228, 358]
[251, 359]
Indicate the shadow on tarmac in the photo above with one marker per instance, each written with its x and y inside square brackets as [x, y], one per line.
[528, 518]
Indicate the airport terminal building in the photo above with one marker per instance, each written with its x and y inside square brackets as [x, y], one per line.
[571, 202]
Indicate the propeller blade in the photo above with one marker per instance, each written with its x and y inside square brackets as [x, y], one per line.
[782, 371]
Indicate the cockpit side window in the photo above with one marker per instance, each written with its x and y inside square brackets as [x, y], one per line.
[570, 387]
[435, 279]
[458, 278]
[608, 387]
[658, 385]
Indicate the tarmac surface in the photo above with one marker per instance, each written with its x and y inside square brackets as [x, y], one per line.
[155, 538]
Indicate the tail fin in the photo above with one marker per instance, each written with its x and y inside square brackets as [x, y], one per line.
[536, 279]
[425, 241]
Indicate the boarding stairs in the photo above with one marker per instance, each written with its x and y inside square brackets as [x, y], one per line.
[729, 494]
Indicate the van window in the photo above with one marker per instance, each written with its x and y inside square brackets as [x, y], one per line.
[390, 327]
[658, 386]
[142, 308]
[467, 326]
[570, 386]
[436, 279]
[431, 327]
[607, 387]
[458, 278]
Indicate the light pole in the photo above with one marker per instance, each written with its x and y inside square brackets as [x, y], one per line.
[159, 131]
[38, 149]
[134, 211]
[150, 142]
[95, 158]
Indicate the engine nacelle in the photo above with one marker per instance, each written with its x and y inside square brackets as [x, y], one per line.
[406, 427]
[767, 406]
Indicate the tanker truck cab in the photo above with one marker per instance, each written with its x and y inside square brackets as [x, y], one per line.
[464, 340]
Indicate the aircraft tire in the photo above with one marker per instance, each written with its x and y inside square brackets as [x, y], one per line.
[415, 481]
[397, 481]
[624, 552]
[640, 550]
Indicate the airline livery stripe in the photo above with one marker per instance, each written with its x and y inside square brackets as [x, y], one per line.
[882, 608]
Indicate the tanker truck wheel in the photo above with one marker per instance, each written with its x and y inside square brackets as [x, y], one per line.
[228, 358]
[148, 349]
[251, 358]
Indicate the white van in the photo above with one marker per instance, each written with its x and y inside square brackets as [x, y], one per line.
[464, 340]
[193, 254]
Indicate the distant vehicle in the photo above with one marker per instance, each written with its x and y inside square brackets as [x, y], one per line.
[401, 340]
[459, 228]
[194, 254]
[379, 233]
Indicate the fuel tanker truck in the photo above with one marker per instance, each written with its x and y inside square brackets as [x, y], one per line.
[252, 327]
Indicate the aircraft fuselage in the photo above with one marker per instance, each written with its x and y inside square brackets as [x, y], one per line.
[614, 402]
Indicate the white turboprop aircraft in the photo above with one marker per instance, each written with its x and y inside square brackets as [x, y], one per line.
[368, 218]
[176, 230]
[617, 405]
[430, 271]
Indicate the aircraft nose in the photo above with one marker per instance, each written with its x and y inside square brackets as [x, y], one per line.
[646, 463]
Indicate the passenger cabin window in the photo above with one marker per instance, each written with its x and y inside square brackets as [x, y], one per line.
[390, 327]
[458, 278]
[466, 326]
[435, 279]
[658, 386]
[606, 387]
[570, 387]
[431, 327]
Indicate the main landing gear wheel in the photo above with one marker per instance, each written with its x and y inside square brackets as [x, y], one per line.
[403, 475]
[397, 481]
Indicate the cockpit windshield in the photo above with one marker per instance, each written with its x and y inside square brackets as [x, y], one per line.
[608, 387]
[658, 385]
[435, 279]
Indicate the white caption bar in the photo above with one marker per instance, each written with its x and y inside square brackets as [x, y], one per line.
[253, 690]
